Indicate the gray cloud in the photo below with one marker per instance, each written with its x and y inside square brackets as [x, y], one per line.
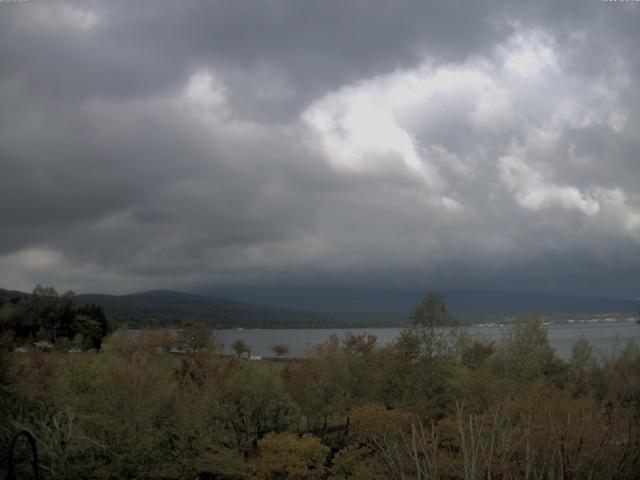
[187, 144]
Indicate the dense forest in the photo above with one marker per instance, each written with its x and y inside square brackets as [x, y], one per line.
[437, 403]
[50, 318]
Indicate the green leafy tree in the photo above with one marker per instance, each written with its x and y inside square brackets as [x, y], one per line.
[318, 384]
[421, 368]
[46, 315]
[198, 336]
[333, 380]
[476, 351]
[10, 319]
[524, 355]
[257, 403]
[131, 399]
[42, 312]
[433, 332]
[90, 330]
[359, 345]
[240, 347]
[280, 350]
[7, 403]
[582, 366]
[63, 344]
[97, 314]
[432, 312]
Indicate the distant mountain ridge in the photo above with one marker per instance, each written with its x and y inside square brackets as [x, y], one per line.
[9, 294]
[171, 308]
[168, 307]
[469, 305]
[334, 307]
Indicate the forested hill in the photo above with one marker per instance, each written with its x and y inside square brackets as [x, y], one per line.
[166, 307]
[172, 308]
[7, 295]
[333, 308]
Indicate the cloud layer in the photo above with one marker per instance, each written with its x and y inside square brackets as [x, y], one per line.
[194, 144]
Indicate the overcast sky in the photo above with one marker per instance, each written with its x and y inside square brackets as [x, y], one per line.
[404, 144]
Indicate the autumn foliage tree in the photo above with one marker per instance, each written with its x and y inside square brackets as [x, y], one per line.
[292, 457]
[434, 404]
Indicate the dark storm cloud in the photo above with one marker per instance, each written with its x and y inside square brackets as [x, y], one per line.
[181, 144]
[137, 49]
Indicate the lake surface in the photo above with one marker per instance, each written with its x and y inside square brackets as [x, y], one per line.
[607, 338]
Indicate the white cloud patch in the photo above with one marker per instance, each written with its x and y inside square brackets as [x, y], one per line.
[206, 93]
[40, 258]
[21, 267]
[358, 130]
[535, 192]
[82, 19]
[61, 15]
[522, 94]
[528, 54]
[621, 212]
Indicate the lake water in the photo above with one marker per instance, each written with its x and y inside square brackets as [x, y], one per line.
[607, 338]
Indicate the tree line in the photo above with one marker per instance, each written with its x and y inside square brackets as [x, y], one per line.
[437, 403]
[48, 316]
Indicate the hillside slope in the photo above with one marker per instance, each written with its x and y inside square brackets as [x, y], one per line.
[166, 307]
[334, 307]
